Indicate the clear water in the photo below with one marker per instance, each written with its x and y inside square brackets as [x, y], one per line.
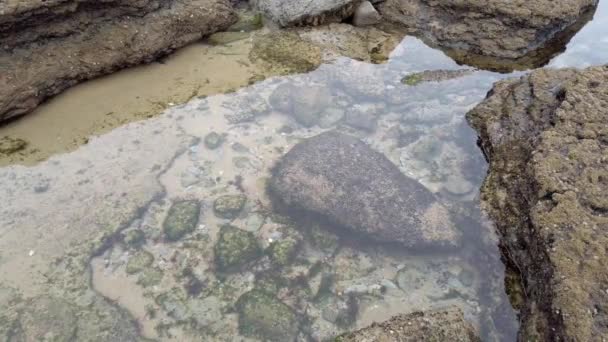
[65, 224]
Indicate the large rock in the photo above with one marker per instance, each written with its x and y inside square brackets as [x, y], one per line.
[520, 33]
[48, 46]
[343, 180]
[546, 138]
[445, 325]
[313, 12]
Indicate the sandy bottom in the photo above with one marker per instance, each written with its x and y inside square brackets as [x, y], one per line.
[97, 106]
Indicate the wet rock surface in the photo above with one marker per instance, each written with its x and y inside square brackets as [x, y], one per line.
[507, 30]
[546, 139]
[339, 177]
[315, 12]
[446, 325]
[51, 45]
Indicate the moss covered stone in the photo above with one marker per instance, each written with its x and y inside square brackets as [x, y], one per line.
[213, 140]
[229, 206]
[151, 276]
[247, 22]
[10, 145]
[235, 247]
[286, 53]
[181, 219]
[139, 262]
[264, 316]
[412, 80]
[223, 38]
[283, 251]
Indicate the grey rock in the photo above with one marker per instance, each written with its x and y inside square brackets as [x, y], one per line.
[213, 140]
[364, 116]
[342, 179]
[366, 15]
[312, 12]
[493, 34]
[303, 103]
[445, 325]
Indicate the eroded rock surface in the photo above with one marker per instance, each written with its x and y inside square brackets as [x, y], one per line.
[508, 30]
[546, 138]
[342, 179]
[446, 325]
[48, 46]
[315, 12]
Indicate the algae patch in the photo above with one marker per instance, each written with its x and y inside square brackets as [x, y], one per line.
[286, 53]
[181, 219]
[235, 248]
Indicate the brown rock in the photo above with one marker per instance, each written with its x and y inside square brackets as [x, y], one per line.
[447, 325]
[48, 46]
[520, 33]
[340, 178]
[546, 138]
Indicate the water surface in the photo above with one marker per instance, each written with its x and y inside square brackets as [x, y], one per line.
[87, 226]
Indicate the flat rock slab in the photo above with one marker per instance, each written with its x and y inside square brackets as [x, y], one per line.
[342, 179]
[503, 29]
[546, 138]
[46, 47]
[311, 12]
[446, 325]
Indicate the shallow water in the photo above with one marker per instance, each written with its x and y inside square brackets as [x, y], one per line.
[75, 226]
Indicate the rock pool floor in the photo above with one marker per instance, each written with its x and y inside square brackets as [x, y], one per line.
[135, 232]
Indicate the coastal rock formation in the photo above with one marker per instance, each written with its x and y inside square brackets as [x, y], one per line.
[296, 13]
[520, 34]
[546, 138]
[445, 325]
[48, 46]
[340, 178]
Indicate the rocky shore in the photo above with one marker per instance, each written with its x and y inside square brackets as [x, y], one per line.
[546, 139]
[48, 46]
[497, 35]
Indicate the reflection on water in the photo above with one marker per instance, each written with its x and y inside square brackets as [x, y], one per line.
[184, 238]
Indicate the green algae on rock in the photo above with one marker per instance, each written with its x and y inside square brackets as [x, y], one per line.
[264, 316]
[223, 38]
[181, 219]
[139, 262]
[247, 22]
[546, 139]
[10, 145]
[213, 140]
[150, 276]
[229, 206]
[134, 238]
[285, 53]
[284, 250]
[235, 248]
[434, 76]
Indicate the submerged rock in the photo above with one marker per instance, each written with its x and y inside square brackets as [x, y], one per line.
[229, 206]
[529, 32]
[447, 325]
[10, 145]
[235, 248]
[313, 12]
[139, 262]
[342, 179]
[264, 316]
[546, 138]
[48, 46]
[285, 53]
[434, 76]
[304, 103]
[213, 140]
[181, 219]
